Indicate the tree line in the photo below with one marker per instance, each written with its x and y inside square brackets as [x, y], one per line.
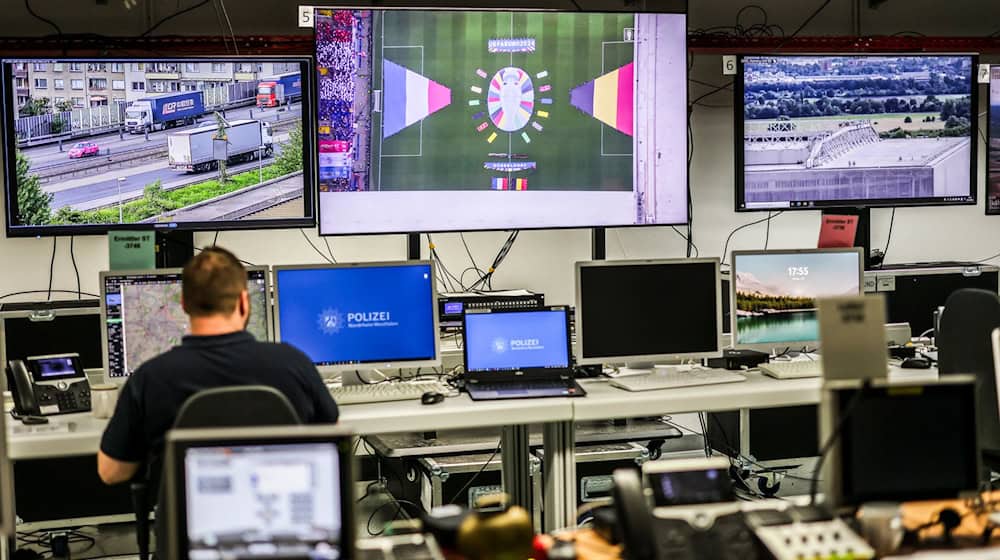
[757, 302]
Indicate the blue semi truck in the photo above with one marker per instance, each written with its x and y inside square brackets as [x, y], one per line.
[157, 112]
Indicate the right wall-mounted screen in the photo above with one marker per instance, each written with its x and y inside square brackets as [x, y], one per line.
[993, 126]
[449, 120]
[855, 131]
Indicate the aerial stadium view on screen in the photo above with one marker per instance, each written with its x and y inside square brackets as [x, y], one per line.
[435, 113]
[993, 170]
[856, 130]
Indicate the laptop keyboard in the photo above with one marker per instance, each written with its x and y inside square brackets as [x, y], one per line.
[524, 386]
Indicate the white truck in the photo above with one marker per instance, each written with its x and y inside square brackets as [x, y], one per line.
[194, 150]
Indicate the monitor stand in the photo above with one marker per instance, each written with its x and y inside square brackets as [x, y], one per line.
[636, 368]
[361, 377]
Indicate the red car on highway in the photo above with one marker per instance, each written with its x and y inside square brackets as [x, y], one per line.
[83, 149]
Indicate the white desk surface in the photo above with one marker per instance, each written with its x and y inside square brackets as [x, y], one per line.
[80, 434]
[453, 413]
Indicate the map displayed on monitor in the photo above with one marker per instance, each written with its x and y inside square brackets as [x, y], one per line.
[144, 317]
[463, 120]
[860, 130]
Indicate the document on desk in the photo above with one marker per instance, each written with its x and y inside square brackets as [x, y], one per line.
[50, 428]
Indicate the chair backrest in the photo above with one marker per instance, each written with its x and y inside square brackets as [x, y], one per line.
[234, 407]
[996, 364]
[965, 346]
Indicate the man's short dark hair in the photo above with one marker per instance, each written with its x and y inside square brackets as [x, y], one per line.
[212, 283]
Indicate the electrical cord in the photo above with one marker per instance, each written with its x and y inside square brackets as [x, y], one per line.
[76, 269]
[830, 441]
[482, 469]
[807, 21]
[50, 292]
[176, 14]
[888, 239]
[315, 248]
[52, 267]
[725, 247]
[52, 24]
[326, 240]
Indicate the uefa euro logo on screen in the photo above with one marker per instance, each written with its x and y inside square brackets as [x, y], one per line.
[331, 321]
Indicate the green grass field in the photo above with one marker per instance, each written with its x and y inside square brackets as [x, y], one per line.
[448, 47]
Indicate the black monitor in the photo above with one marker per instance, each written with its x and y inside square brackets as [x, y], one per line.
[642, 311]
[142, 315]
[855, 130]
[247, 493]
[45, 328]
[452, 120]
[94, 145]
[901, 441]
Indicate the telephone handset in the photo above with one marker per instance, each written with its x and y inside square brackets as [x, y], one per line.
[25, 404]
[47, 385]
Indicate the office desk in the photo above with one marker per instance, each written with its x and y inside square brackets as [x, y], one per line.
[67, 435]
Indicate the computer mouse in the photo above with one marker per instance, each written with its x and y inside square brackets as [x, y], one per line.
[915, 363]
[431, 398]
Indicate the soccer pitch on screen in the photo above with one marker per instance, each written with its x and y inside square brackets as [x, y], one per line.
[568, 148]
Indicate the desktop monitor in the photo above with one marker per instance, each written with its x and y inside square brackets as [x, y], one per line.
[142, 316]
[458, 120]
[993, 126]
[855, 130]
[517, 341]
[125, 143]
[57, 327]
[245, 493]
[647, 310]
[348, 317]
[900, 441]
[774, 294]
[7, 519]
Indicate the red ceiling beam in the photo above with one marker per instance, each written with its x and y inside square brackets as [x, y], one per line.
[718, 44]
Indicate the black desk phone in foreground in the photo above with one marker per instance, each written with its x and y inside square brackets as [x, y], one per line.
[48, 385]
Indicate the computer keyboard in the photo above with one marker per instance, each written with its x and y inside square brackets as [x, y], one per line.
[792, 370]
[675, 379]
[386, 392]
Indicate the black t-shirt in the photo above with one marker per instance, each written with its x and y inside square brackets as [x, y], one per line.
[153, 395]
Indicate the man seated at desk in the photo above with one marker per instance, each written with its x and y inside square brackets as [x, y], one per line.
[219, 352]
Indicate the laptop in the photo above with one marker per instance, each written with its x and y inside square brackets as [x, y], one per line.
[518, 354]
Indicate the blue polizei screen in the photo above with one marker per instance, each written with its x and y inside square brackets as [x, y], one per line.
[514, 341]
[358, 314]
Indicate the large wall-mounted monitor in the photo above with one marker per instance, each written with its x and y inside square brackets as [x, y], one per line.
[448, 120]
[993, 126]
[855, 131]
[92, 145]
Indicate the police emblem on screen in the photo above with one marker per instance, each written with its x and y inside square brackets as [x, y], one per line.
[331, 321]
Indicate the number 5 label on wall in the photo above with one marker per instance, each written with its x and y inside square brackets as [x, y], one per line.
[306, 16]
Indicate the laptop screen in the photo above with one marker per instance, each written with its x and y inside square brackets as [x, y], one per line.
[516, 341]
[284, 498]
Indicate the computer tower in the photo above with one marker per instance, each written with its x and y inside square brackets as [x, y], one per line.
[914, 292]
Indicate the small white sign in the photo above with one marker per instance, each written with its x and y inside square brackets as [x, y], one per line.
[306, 16]
[984, 73]
[729, 65]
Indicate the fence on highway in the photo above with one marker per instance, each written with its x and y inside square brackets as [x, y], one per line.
[87, 121]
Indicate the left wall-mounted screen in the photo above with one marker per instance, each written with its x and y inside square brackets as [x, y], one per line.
[92, 145]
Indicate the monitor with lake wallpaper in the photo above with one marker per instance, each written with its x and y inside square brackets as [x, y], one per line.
[774, 294]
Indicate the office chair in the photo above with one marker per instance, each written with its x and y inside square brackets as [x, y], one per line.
[223, 407]
[965, 345]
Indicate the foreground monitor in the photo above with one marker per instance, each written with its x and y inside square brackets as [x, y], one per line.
[644, 311]
[92, 145]
[855, 131]
[359, 316]
[993, 168]
[774, 294]
[142, 315]
[900, 441]
[261, 492]
[450, 120]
